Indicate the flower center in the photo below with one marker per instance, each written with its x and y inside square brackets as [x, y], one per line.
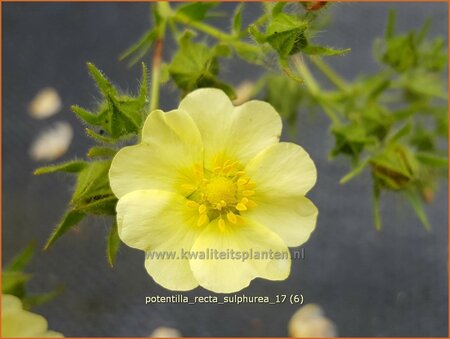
[220, 190]
[222, 194]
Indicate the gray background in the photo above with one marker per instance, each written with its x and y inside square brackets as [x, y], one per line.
[388, 283]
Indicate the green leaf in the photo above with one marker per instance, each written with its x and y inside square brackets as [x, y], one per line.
[195, 66]
[69, 220]
[196, 11]
[286, 34]
[416, 204]
[98, 205]
[140, 48]
[73, 166]
[236, 22]
[432, 160]
[278, 8]
[85, 115]
[324, 51]
[98, 151]
[22, 259]
[355, 171]
[390, 26]
[400, 133]
[36, 300]
[100, 138]
[92, 183]
[376, 207]
[113, 244]
[104, 85]
[395, 167]
[12, 280]
[256, 34]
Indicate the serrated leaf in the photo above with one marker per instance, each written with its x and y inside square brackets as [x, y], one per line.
[74, 166]
[69, 220]
[113, 244]
[22, 259]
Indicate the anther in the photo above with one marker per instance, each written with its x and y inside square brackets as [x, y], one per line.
[191, 204]
[202, 220]
[232, 217]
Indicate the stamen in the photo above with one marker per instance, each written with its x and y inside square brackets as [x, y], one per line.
[191, 204]
[251, 204]
[222, 224]
[241, 207]
[232, 217]
[202, 209]
[248, 193]
[188, 187]
[203, 220]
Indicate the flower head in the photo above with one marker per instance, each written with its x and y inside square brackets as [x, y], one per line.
[210, 177]
[16, 322]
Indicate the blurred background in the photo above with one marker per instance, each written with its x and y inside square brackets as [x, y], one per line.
[369, 283]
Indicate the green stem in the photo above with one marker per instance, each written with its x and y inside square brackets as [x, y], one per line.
[314, 88]
[334, 78]
[214, 32]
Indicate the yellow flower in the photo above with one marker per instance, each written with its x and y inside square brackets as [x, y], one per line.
[16, 322]
[209, 176]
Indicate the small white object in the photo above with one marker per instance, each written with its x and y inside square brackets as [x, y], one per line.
[52, 143]
[45, 104]
[309, 322]
[165, 332]
[244, 92]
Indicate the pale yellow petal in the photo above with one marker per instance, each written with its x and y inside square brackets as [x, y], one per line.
[23, 324]
[282, 170]
[237, 133]
[10, 303]
[171, 146]
[161, 224]
[292, 218]
[225, 274]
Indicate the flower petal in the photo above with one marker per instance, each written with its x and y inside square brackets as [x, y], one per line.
[293, 218]
[17, 322]
[171, 145]
[282, 170]
[161, 224]
[238, 133]
[226, 275]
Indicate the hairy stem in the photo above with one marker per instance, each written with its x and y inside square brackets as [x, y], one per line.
[334, 78]
[214, 32]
